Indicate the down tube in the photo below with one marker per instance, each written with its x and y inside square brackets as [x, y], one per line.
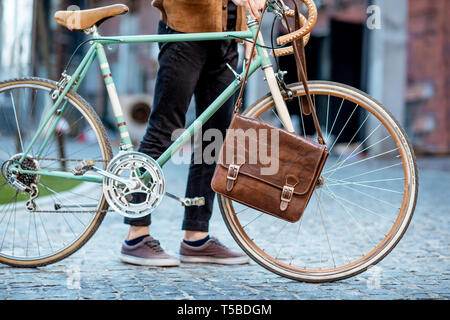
[205, 116]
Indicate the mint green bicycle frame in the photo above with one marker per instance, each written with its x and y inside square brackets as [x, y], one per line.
[97, 51]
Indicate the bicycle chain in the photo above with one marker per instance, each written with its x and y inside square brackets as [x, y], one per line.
[69, 212]
[68, 160]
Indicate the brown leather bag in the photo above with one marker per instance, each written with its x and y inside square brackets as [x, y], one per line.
[245, 176]
[241, 176]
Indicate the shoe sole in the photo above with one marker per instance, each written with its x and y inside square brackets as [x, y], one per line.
[149, 262]
[224, 261]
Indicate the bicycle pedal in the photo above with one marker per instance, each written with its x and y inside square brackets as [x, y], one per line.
[194, 202]
[188, 202]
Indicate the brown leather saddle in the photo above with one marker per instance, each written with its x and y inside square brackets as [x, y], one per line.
[85, 19]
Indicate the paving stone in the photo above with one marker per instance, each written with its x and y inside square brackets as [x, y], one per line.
[418, 268]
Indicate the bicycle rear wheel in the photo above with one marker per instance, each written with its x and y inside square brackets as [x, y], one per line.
[67, 212]
[362, 209]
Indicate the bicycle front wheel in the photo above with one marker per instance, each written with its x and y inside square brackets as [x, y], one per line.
[362, 208]
[65, 212]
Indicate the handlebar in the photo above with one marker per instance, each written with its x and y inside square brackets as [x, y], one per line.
[308, 24]
[290, 50]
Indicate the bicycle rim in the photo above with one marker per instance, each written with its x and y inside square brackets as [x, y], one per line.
[365, 205]
[67, 212]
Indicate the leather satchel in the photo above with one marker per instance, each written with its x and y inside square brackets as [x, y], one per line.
[294, 169]
[268, 168]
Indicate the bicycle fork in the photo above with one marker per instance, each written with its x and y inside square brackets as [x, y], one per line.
[271, 79]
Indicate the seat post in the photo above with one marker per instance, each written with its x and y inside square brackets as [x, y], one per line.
[92, 30]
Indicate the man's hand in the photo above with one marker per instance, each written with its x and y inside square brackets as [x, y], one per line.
[252, 6]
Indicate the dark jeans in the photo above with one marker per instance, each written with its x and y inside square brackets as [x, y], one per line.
[187, 69]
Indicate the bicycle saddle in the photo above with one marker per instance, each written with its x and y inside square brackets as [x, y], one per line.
[84, 19]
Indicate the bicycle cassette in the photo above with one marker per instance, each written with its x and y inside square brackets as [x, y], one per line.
[141, 187]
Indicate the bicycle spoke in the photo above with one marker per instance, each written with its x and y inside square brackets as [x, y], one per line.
[348, 212]
[374, 187]
[243, 210]
[17, 121]
[36, 232]
[337, 116]
[341, 183]
[253, 220]
[296, 240]
[45, 231]
[277, 235]
[371, 171]
[360, 161]
[324, 227]
[55, 196]
[326, 124]
[351, 155]
[301, 116]
[349, 221]
[29, 237]
[370, 196]
[7, 225]
[352, 139]
[342, 130]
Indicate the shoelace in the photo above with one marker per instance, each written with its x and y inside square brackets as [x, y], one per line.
[154, 245]
[216, 241]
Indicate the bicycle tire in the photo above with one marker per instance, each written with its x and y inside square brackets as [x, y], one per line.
[402, 220]
[82, 106]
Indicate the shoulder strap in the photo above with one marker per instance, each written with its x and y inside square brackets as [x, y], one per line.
[300, 59]
[247, 66]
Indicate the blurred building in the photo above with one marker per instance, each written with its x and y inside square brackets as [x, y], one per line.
[428, 77]
[397, 51]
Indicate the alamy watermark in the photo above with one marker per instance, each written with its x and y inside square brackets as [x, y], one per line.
[375, 275]
[73, 281]
[250, 146]
[374, 17]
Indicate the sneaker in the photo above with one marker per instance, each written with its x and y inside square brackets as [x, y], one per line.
[211, 252]
[148, 252]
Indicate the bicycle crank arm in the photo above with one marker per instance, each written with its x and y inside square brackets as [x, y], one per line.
[188, 202]
[113, 177]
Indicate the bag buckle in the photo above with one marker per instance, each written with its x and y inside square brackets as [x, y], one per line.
[287, 194]
[233, 172]
[288, 191]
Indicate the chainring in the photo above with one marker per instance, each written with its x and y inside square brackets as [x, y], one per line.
[146, 187]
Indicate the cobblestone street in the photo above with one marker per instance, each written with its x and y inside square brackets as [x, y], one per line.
[418, 268]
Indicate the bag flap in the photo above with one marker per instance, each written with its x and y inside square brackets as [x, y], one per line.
[271, 155]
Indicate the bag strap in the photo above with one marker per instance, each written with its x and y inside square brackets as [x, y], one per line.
[300, 59]
[238, 105]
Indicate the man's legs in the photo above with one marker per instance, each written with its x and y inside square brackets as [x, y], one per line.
[215, 78]
[180, 66]
[197, 246]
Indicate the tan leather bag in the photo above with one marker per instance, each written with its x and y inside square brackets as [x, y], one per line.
[286, 192]
[280, 179]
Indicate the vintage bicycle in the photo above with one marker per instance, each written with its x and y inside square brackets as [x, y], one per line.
[52, 202]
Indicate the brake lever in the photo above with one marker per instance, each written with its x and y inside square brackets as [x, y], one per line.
[277, 7]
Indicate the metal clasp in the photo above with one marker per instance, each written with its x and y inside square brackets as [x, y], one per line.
[287, 194]
[233, 172]
[288, 191]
